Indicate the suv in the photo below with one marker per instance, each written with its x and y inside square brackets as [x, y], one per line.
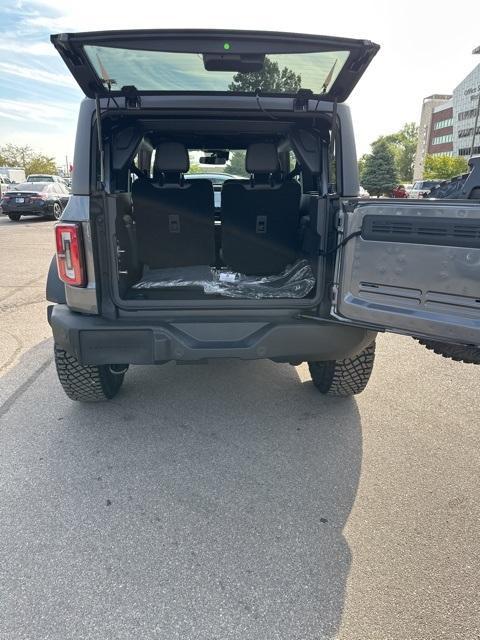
[292, 266]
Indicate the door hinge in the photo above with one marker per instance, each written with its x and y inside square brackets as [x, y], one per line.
[132, 99]
[300, 102]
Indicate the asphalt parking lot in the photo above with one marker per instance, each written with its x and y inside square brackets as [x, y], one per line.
[231, 500]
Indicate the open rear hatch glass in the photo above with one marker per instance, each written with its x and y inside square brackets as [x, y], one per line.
[210, 61]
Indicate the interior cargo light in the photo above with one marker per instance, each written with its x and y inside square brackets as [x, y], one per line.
[70, 257]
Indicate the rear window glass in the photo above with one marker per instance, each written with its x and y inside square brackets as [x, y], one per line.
[30, 186]
[168, 71]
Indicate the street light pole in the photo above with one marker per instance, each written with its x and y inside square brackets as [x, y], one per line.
[477, 112]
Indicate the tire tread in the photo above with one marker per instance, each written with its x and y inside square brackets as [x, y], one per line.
[469, 354]
[85, 383]
[344, 377]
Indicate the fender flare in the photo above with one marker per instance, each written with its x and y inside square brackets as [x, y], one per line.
[55, 290]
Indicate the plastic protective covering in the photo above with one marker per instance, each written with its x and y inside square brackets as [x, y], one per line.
[296, 281]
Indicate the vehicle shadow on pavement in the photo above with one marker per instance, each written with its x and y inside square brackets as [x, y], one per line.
[251, 476]
[203, 502]
[25, 220]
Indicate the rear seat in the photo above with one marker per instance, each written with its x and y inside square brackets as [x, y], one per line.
[174, 219]
[260, 217]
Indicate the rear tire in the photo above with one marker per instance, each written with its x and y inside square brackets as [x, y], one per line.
[343, 378]
[14, 217]
[470, 354]
[453, 189]
[87, 383]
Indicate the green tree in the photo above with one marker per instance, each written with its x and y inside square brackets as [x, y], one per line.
[444, 167]
[379, 174]
[361, 165]
[200, 168]
[271, 79]
[26, 158]
[237, 164]
[403, 144]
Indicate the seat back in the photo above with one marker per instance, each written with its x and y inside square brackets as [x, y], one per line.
[175, 222]
[260, 218]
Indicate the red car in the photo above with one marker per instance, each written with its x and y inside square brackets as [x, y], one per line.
[400, 192]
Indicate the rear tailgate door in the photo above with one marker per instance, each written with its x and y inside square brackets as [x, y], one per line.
[213, 61]
[412, 267]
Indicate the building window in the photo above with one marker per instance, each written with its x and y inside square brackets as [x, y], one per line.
[441, 124]
[443, 153]
[466, 152]
[443, 139]
[465, 115]
[464, 133]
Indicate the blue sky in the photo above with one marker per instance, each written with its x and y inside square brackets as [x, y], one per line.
[426, 48]
[38, 97]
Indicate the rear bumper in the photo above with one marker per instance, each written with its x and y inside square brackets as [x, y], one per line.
[95, 340]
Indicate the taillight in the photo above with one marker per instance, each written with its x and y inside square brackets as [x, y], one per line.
[40, 196]
[70, 258]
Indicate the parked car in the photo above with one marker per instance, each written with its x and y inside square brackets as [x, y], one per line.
[35, 199]
[44, 177]
[399, 192]
[421, 188]
[293, 269]
[363, 193]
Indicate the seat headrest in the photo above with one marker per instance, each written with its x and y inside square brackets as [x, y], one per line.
[171, 157]
[262, 157]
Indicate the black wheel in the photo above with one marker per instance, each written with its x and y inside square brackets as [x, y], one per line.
[470, 354]
[57, 211]
[344, 377]
[14, 217]
[88, 383]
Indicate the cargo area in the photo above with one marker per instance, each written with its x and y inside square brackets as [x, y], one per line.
[216, 215]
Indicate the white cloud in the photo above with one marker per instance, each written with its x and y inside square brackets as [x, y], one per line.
[10, 114]
[38, 75]
[35, 49]
[35, 111]
[420, 55]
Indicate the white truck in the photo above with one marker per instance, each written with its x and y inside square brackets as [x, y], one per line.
[10, 176]
[13, 174]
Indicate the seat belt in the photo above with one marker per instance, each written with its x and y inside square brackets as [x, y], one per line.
[140, 174]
